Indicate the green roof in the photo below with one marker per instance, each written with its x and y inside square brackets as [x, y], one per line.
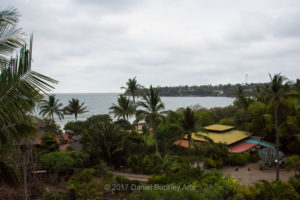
[218, 127]
[228, 137]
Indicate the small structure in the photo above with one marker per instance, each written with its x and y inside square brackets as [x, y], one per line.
[221, 134]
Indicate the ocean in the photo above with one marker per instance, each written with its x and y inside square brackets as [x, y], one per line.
[99, 103]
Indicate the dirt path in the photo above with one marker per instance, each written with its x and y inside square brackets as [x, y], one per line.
[137, 177]
[248, 177]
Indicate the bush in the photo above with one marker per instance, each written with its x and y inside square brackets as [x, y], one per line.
[226, 121]
[77, 127]
[84, 185]
[239, 159]
[49, 143]
[101, 169]
[58, 161]
[295, 182]
[80, 158]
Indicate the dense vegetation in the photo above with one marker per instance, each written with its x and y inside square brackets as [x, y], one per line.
[227, 90]
[33, 170]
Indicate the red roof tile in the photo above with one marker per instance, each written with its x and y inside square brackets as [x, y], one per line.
[65, 137]
[183, 143]
[241, 147]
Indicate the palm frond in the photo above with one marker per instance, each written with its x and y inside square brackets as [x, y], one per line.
[11, 37]
[19, 85]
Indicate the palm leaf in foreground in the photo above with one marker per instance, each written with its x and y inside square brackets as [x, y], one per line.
[19, 85]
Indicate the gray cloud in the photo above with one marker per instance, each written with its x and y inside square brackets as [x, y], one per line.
[93, 45]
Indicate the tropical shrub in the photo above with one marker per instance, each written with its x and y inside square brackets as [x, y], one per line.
[293, 162]
[49, 143]
[77, 127]
[239, 159]
[64, 161]
[87, 184]
[226, 121]
[295, 182]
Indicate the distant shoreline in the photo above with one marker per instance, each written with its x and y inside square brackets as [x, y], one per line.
[82, 93]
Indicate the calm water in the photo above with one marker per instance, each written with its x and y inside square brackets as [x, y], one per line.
[99, 103]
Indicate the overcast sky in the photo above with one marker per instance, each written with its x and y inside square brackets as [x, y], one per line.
[96, 45]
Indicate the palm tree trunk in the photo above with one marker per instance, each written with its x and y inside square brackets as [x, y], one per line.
[277, 141]
[155, 138]
[76, 117]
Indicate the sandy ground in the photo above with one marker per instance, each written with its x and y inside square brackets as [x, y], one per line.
[248, 177]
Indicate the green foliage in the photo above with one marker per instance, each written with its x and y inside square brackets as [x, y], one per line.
[50, 126]
[149, 164]
[239, 159]
[152, 110]
[157, 179]
[64, 161]
[228, 90]
[214, 155]
[103, 139]
[88, 184]
[167, 134]
[205, 118]
[295, 182]
[293, 162]
[124, 109]
[226, 121]
[49, 143]
[265, 190]
[183, 173]
[101, 169]
[58, 161]
[124, 124]
[51, 107]
[75, 108]
[77, 127]
[189, 123]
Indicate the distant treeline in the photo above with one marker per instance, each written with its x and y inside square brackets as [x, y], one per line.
[228, 90]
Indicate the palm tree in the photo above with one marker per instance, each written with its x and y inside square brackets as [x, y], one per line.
[124, 109]
[189, 123]
[75, 108]
[51, 107]
[242, 100]
[19, 86]
[278, 90]
[132, 88]
[153, 110]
